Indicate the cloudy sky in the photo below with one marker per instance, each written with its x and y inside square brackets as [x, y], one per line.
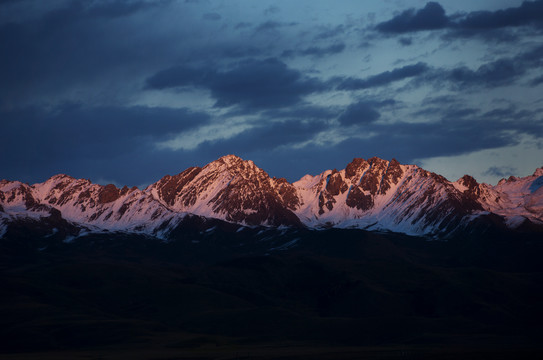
[128, 91]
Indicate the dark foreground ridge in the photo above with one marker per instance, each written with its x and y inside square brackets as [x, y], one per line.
[261, 293]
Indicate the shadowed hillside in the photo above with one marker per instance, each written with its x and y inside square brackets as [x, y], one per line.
[335, 294]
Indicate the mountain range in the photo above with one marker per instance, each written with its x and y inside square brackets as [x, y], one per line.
[226, 262]
[373, 194]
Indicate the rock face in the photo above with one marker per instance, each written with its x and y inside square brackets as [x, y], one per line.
[384, 195]
[92, 206]
[372, 194]
[230, 189]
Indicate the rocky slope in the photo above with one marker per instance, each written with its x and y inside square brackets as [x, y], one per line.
[372, 194]
[230, 189]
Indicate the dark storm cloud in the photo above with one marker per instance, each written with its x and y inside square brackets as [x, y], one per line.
[405, 41]
[384, 78]
[118, 8]
[359, 113]
[73, 126]
[72, 137]
[496, 73]
[78, 10]
[178, 76]
[99, 45]
[500, 72]
[271, 10]
[330, 32]
[502, 113]
[211, 16]
[532, 57]
[459, 113]
[529, 12]
[441, 138]
[242, 25]
[512, 113]
[303, 113]
[538, 80]
[238, 52]
[273, 25]
[315, 51]
[449, 112]
[456, 130]
[501, 171]
[4, 2]
[76, 43]
[250, 83]
[408, 142]
[261, 84]
[265, 137]
[431, 17]
[323, 51]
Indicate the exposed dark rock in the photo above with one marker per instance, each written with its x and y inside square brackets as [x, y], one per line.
[357, 199]
[393, 174]
[108, 193]
[28, 198]
[170, 186]
[353, 166]
[124, 207]
[370, 182]
[108, 215]
[336, 184]
[97, 214]
[288, 193]
[473, 191]
[512, 179]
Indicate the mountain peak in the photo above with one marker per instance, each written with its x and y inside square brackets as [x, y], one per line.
[373, 194]
[230, 159]
[468, 181]
[234, 165]
[60, 178]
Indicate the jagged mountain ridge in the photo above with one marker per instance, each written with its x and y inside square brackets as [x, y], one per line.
[373, 194]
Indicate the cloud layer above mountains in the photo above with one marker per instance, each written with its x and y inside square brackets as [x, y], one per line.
[127, 91]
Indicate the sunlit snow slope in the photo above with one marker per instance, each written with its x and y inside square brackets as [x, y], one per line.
[372, 194]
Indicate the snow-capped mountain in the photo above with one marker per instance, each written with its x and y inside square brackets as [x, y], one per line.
[230, 189]
[372, 194]
[377, 194]
[90, 206]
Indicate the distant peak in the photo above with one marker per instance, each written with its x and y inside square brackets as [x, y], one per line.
[357, 162]
[468, 181]
[394, 162]
[230, 157]
[512, 178]
[59, 177]
[233, 161]
[376, 159]
[372, 194]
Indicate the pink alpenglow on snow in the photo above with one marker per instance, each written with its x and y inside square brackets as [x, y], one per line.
[373, 194]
